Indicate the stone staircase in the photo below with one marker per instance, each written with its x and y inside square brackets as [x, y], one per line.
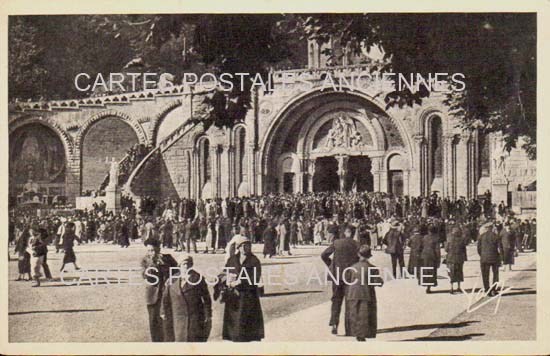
[161, 147]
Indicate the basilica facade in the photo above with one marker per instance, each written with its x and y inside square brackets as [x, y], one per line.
[295, 138]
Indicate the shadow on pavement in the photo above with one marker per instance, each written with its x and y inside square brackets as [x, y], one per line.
[427, 326]
[56, 311]
[447, 338]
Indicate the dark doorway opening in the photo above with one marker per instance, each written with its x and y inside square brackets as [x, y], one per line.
[326, 175]
[288, 182]
[395, 179]
[359, 177]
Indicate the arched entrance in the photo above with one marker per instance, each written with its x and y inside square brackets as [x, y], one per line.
[37, 164]
[339, 141]
[107, 138]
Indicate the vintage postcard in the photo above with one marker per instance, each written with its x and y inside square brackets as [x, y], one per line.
[271, 178]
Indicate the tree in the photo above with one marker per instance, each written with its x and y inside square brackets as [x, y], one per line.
[496, 52]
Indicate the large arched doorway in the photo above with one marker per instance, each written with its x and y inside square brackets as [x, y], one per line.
[336, 137]
[37, 163]
[106, 139]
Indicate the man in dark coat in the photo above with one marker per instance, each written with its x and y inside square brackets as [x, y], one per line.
[489, 250]
[156, 271]
[186, 308]
[192, 234]
[270, 240]
[361, 311]
[415, 256]
[431, 257]
[394, 241]
[345, 254]
[242, 318]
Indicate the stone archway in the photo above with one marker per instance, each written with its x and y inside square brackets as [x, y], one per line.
[39, 153]
[102, 140]
[136, 126]
[155, 134]
[344, 126]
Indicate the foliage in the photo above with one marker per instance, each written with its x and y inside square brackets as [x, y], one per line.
[495, 51]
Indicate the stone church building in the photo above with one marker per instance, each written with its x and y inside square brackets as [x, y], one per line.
[295, 138]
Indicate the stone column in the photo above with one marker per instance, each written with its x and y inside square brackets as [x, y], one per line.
[231, 170]
[250, 174]
[448, 181]
[376, 172]
[311, 173]
[342, 170]
[215, 164]
[463, 165]
[421, 163]
[406, 180]
[72, 178]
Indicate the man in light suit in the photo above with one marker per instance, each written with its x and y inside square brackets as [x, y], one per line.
[344, 252]
[156, 271]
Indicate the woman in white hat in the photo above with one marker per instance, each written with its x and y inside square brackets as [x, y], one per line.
[243, 318]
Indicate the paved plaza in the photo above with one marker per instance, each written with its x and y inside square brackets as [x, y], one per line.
[110, 306]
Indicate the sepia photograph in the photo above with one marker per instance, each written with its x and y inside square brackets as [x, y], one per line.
[291, 177]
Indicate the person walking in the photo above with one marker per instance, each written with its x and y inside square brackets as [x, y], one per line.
[508, 242]
[23, 255]
[344, 254]
[270, 240]
[156, 271]
[489, 249]
[361, 309]
[243, 318]
[186, 306]
[455, 247]
[415, 256]
[68, 246]
[431, 258]
[39, 250]
[394, 241]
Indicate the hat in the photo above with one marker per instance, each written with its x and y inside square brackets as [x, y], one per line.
[365, 251]
[152, 242]
[241, 240]
[187, 259]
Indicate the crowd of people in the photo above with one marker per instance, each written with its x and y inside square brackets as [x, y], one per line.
[351, 224]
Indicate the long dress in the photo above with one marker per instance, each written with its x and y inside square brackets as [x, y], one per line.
[243, 318]
[24, 257]
[361, 307]
[508, 246]
[68, 244]
[282, 233]
[431, 258]
[319, 232]
[270, 242]
[456, 254]
[415, 256]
